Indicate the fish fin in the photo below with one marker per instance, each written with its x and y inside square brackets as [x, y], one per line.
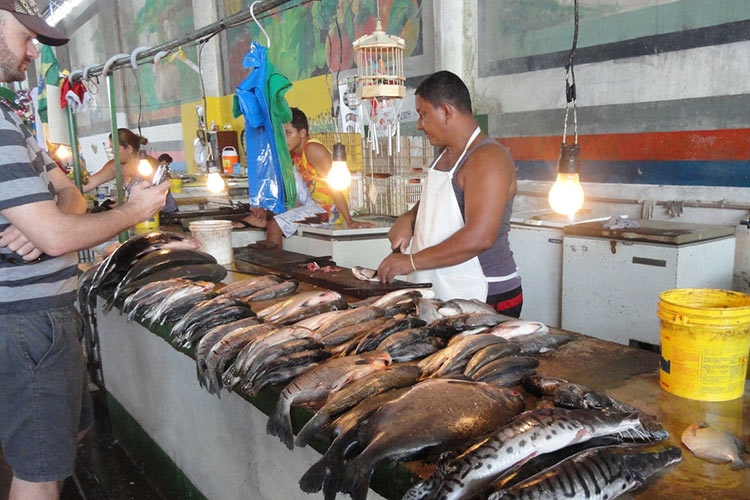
[740, 465]
[312, 481]
[280, 424]
[311, 428]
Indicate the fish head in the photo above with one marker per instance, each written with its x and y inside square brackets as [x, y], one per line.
[643, 465]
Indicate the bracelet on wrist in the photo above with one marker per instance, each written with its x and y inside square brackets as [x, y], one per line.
[411, 258]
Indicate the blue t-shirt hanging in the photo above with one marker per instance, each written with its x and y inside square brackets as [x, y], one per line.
[264, 178]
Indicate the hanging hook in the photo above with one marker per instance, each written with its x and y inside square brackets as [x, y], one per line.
[134, 56]
[252, 13]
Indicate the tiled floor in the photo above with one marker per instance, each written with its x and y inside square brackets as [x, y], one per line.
[103, 470]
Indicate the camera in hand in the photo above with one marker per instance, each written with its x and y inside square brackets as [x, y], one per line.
[160, 175]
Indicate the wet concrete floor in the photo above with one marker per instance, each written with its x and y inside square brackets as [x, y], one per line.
[103, 470]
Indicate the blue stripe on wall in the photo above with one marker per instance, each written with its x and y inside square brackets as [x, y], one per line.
[673, 173]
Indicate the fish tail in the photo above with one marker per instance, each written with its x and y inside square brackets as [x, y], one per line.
[740, 465]
[310, 429]
[280, 423]
[356, 479]
[312, 481]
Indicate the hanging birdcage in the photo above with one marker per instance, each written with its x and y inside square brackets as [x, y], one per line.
[380, 65]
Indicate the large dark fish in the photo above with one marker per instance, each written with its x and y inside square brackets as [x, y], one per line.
[211, 338]
[414, 425]
[316, 384]
[283, 374]
[199, 328]
[162, 259]
[193, 272]
[489, 354]
[596, 474]
[353, 417]
[393, 377]
[528, 435]
[240, 289]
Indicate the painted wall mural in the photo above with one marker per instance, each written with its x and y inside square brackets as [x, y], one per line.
[165, 86]
[315, 36]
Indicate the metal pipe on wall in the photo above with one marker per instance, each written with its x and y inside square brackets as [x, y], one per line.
[74, 148]
[116, 148]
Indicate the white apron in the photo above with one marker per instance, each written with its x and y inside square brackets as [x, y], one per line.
[438, 218]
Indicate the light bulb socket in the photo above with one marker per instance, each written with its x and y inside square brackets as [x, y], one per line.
[569, 161]
[339, 152]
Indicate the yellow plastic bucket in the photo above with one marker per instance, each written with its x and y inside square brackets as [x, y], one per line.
[148, 226]
[705, 339]
[175, 185]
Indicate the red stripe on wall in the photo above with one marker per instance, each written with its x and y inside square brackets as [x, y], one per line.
[703, 145]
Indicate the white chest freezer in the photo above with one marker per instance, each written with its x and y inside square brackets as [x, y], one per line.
[612, 278]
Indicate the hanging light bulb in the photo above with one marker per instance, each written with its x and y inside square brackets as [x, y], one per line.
[214, 182]
[63, 153]
[566, 194]
[339, 177]
[144, 166]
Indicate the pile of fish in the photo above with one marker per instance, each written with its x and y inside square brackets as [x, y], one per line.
[392, 378]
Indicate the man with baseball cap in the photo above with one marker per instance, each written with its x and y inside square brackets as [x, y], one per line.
[44, 402]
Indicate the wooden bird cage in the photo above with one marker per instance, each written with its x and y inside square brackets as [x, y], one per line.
[380, 65]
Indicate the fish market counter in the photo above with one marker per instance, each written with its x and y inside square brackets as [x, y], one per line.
[197, 445]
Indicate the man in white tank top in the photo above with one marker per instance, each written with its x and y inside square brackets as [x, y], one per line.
[440, 239]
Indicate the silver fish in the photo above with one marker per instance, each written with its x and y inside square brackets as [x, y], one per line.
[224, 351]
[247, 287]
[211, 338]
[398, 295]
[342, 335]
[596, 474]
[305, 358]
[316, 384]
[252, 356]
[427, 309]
[518, 327]
[715, 445]
[365, 273]
[278, 290]
[528, 435]
[306, 299]
[460, 306]
[348, 318]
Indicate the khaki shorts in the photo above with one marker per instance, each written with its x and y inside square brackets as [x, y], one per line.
[44, 392]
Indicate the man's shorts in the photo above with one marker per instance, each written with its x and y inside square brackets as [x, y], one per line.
[44, 392]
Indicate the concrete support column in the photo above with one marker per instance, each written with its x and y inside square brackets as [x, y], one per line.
[206, 12]
[449, 36]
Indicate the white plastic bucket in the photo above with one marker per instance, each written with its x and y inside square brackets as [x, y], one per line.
[215, 237]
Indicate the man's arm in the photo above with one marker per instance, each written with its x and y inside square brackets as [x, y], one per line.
[488, 180]
[69, 199]
[320, 158]
[55, 232]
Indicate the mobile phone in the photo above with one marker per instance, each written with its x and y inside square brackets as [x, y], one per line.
[159, 175]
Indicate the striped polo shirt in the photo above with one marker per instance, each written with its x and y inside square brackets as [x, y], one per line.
[50, 281]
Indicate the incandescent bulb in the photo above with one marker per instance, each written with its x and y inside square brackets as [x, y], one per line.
[215, 183]
[566, 194]
[339, 177]
[63, 153]
[145, 168]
